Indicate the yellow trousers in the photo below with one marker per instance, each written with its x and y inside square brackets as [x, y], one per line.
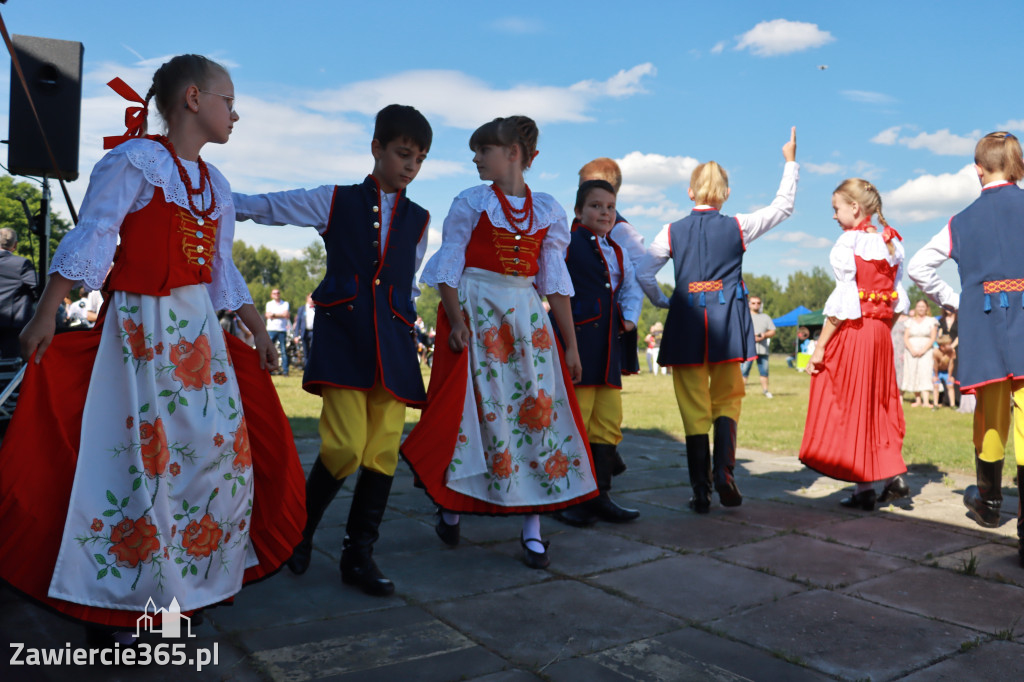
[992, 417]
[360, 428]
[601, 407]
[706, 392]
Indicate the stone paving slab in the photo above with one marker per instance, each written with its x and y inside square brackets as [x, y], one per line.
[782, 516]
[994, 561]
[586, 551]
[843, 636]
[708, 589]
[882, 533]
[798, 557]
[964, 602]
[691, 532]
[559, 619]
[988, 661]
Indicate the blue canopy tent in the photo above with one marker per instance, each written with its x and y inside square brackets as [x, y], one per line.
[790, 319]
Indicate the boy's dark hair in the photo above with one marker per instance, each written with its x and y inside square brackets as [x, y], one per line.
[589, 186]
[398, 121]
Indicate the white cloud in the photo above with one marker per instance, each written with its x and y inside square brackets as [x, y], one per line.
[941, 142]
[656, 169]
[867, 97]
[780, 36]
[931, 197]
[827, 168]
[802, 238]
[517, 25]
[462, 101]
[719, 47]
[797, 263]
[1017, 124]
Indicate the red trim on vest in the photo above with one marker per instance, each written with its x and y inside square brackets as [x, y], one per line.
[743, 241]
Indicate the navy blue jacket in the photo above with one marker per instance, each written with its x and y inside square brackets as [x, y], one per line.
[708, 317]
[365, 313]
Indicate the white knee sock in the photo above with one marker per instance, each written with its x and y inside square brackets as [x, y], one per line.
[531, 533]
[450, 518]
[861, 487]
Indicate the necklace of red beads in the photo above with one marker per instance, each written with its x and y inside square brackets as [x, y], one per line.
[516, 217]
[204, 181]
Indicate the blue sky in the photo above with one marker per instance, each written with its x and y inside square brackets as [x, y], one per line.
[908, 89]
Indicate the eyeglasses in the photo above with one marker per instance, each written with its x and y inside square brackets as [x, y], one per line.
[227, 98]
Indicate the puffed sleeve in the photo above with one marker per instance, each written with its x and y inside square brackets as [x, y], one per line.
[450, 260]
[902, 299]
[552, 274]
[844, 301]
[86, 252]
[227, 288]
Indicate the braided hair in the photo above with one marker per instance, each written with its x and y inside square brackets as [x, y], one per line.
[520, 131]
[176, 74]
[865, 195]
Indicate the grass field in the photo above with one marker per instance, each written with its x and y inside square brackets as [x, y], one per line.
[939, 439]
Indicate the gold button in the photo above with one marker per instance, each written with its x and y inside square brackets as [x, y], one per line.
[376, 226]
[515, 260]
[607, 285]
[199, 248]
[376, 209]
[518, 237]
[376, 281]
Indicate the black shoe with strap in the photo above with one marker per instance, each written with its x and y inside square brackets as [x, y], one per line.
[698, 461]
[725, 462]
[984, 500]
[321, 489]
[896, 489]
[863, 500]
[369, 500]
[448, 532]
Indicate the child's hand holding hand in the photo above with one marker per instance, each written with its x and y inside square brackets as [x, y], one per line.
[573, 364]
[36, 336]
[817, 362]
[267, 351]
[789, 149]
[460, 336]
[628, 326]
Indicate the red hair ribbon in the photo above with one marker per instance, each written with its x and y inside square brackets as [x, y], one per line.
[134, 117]
[888, 233]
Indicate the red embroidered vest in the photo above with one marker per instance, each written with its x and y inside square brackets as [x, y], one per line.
[162, 247]
[498, 250]
[876, 285]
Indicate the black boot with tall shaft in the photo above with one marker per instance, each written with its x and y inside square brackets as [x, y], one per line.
[321, 489]
[369, 501]
[698, 460]
[984, 500]
[605, 459]
[725, 462]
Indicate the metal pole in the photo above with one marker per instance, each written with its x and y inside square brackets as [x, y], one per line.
[44, 231]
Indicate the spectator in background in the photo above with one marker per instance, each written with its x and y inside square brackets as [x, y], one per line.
[899, 326]
[803, 342]
[944, 358]
[948, 326]
[278, 314]
[918, 339]
[17, 291]
[304, 325]
[764, 329]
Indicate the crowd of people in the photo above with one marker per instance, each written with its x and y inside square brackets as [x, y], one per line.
[523, 414]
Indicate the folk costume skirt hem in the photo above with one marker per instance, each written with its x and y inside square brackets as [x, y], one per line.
[855, 426]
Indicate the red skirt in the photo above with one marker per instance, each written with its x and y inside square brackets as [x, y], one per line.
[855, 425]
[40, 452]
[429, 447]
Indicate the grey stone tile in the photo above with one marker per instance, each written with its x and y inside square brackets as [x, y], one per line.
[846, 637]
[559, 619]
[971, 602]
[882, 533]
[802, 558]
[988, 661]
[781, 516]
[712, 589]
[687, 531]
[585, 551]
[995, 561]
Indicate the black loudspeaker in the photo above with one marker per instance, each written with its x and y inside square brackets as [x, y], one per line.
[53, 69]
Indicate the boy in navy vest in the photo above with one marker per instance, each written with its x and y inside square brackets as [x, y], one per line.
[708, 332]
[986, 240]
[605, 305]
[363, 361]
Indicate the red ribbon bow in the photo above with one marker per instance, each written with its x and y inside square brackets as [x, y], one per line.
[888, 233]
[134, 117]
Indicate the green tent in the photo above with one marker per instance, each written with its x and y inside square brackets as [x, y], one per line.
[813, 319]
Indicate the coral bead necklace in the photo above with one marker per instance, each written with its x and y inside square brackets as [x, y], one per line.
[204, 182]
[516, 217]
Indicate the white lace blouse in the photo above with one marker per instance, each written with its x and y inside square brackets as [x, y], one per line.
[844, 302]
[448, 263]
[121, 183]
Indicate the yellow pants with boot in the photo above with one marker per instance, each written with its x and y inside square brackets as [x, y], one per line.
[360, 428]
[706, 392]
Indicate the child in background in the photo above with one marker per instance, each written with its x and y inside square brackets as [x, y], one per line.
[855, 426]
[170, 469]
[987, 242]
[945, 356]
[606, 304]
[363, 361]
[501, 433]
[709, 302]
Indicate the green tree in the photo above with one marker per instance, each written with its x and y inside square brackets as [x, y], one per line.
[426, 305]
[12, 215]
[650, 314]
[914, 294]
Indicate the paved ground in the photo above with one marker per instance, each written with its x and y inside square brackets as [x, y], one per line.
[787, 587]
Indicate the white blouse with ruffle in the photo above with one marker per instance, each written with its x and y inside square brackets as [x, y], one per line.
[448, 263]
[844, 302]
[122, 182]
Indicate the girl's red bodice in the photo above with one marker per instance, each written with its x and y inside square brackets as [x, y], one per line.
[876, 284]
[498, 250]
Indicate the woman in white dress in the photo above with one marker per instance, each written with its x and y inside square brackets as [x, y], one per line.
[918, 339]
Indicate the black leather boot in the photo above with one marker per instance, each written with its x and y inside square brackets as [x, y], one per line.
[369, 501]
[321, 489]
[1020, 514]
[605, 456]
[725, 462]
[698, 460]
[984, 500]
